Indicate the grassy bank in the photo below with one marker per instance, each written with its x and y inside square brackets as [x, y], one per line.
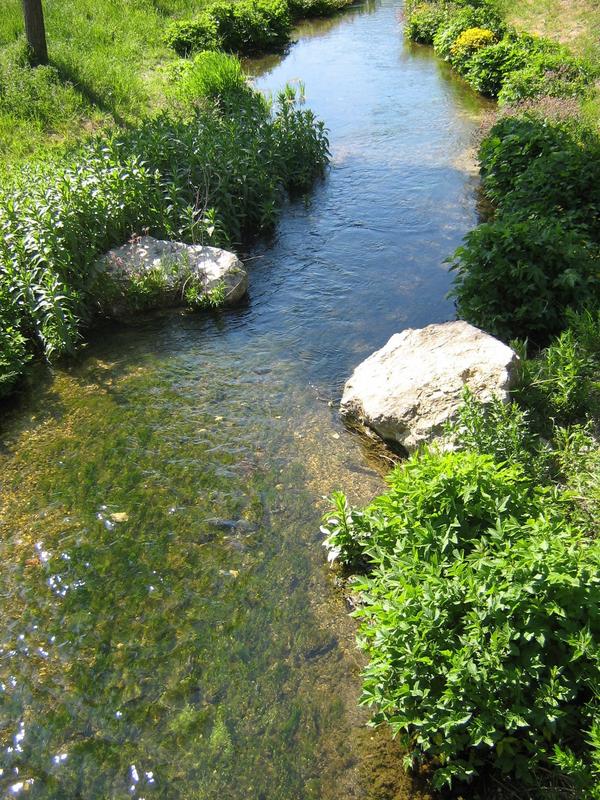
[106, 68]
[478, 571]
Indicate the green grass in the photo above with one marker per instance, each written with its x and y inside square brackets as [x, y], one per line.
[104, 69]
[574, 23]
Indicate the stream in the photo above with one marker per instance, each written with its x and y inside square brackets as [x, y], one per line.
[169, 627]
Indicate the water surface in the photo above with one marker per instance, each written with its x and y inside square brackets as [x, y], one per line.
[169, 628]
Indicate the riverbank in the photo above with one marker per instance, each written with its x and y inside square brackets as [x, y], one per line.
[479, 570]
[107, 71]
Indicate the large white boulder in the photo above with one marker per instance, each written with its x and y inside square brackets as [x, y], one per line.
[164, 270]
[409, 389]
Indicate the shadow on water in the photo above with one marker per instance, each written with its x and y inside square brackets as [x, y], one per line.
[169, 626]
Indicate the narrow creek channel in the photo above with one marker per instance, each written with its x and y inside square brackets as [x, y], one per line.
[169, 627]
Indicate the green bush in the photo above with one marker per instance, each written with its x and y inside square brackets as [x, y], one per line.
[541, 168]
[301, 9]
[551, 74]
[467, 44]
[489, 67]
[561, 383]
[513, 145]
[516, 277]
[460, 21]
[479, 614]
[247, 26]
[503, 431]
[13, 345]
[424, 22]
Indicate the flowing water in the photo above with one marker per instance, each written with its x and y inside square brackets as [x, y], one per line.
[169, 628]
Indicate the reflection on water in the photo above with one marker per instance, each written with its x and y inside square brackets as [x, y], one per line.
[169, 628]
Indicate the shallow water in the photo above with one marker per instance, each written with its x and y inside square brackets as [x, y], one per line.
[169, 627]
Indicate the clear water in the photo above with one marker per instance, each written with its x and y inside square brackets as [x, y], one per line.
[169, 628]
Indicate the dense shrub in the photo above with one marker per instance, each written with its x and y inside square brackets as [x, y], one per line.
[13, 346]
[300, 9]
[489, 67]
[551, 74]
[467, 44]
[503, 431]
[479, 614]
[516, 277]
[561, 384]
[214, 176]
[247, 26]
[513, 144]
[461, 21]
[423, 23]
[541, 168]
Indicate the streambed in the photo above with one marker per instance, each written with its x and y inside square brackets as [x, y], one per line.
[169, 627]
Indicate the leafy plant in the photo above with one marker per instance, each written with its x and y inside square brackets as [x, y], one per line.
[462, 20]
[423, 22]
[210, 75]
[478, 614]
[501, 430]
[468, 43]
[247, 26]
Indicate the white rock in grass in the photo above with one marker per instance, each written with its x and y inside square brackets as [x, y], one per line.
[172, 265]
[409, 389]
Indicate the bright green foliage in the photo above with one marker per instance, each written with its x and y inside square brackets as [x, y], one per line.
[462, 20]
[489, 67]
[247, 26]
[501, 430]
[501, 63]
[212, 176]
[516, 276]
[552, 74]
[545, 169]
[423, 22]
[561, 384]
[210, 75]
[468, 43]
[13, 346]
[513, 145]
[301, 9]
[480, 614]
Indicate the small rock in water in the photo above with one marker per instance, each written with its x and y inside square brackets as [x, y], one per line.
[321, 649]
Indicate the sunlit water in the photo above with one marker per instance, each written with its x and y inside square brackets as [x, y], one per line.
[169, 628]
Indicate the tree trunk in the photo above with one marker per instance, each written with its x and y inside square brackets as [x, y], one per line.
[34, 31]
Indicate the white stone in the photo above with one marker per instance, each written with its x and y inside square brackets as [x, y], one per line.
[407, 391]
[177, 262]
